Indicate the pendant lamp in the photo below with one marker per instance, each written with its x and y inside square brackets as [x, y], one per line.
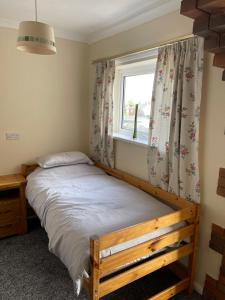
[36, 37]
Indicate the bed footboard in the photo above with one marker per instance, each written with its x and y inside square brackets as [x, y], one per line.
[102, 284]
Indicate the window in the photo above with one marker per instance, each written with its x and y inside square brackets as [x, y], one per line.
[133, 85]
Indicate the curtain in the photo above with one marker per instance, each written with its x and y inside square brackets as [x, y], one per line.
[102, 114]
[174, 121]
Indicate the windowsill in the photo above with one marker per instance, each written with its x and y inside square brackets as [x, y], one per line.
[130, 140]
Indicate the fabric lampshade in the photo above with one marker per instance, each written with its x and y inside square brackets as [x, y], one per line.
[36, 37]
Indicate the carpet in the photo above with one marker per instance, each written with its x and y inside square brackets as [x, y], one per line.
[28, 271]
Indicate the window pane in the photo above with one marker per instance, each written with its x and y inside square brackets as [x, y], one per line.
[137, 90]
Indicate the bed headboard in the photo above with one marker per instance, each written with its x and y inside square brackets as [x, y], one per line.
[26, 169]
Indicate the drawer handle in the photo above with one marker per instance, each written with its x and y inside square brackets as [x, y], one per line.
[5, 212]
[6, 226]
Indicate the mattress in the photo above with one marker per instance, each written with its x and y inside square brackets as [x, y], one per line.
[79, 201]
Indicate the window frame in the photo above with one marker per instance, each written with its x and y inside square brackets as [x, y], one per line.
[146, 66]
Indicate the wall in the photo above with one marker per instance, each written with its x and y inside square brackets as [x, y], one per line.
[44, 99]
[132, 158]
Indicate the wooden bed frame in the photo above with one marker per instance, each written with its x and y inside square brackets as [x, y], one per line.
[101, 284]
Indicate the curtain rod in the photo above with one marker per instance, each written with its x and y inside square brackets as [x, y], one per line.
[140, 50]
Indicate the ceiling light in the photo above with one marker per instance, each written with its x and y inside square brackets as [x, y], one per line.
[36, 37]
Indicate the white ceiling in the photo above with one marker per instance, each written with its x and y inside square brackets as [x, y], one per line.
[86, 20]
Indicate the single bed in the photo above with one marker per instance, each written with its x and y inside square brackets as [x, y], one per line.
[89, 214]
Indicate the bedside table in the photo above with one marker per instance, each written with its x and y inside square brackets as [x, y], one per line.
[13, 219]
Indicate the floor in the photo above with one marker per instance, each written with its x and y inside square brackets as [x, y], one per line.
[29, 271]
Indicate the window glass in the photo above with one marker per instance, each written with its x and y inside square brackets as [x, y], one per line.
[137, 90]
[133, 85]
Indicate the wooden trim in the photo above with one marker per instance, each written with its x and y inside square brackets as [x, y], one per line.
[189, 9]
[95, 270]
[112, 263]
[217, 239]
[144, 269]
[211, 289]
[11, 181]
[221, 183]
[23, 208]
[172, 291]
[169, 198]
[132, 232]
[26, 169]
[192, 258]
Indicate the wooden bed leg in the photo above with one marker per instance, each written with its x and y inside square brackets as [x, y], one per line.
[95, 264]
[192, 257]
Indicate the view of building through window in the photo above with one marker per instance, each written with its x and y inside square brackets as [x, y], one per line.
[137, 90]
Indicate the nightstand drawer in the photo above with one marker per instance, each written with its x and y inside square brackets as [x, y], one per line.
[13, 215]
[9, 211]
[9, 229]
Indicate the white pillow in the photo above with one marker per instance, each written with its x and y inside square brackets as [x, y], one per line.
[63, 159]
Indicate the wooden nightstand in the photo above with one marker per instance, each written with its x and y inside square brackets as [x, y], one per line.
[13, 219]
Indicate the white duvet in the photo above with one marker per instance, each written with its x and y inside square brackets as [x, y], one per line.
[76, 202]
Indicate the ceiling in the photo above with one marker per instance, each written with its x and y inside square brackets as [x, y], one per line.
[86, 20]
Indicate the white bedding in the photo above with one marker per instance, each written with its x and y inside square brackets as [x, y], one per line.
[76, 202]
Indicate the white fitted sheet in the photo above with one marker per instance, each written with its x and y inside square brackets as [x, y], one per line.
[79, 201]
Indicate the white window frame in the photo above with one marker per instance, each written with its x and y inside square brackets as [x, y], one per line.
[146, 66]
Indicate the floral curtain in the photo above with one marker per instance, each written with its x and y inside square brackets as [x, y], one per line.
[174, 122]
[102, 114]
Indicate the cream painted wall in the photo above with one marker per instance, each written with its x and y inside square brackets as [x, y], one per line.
[132, 158]
[44, 99]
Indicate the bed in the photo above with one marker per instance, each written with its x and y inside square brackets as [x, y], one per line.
[101, 222]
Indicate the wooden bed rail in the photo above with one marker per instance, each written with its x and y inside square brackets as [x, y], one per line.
[169, 198]
[109, 265]
[104, 266]
[116, 261]
[142, 270]
[172, 291]
[132, 232]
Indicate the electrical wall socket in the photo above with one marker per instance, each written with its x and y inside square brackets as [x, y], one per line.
[12, 136]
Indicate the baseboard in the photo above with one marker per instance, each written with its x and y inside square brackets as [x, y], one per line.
[198, 287]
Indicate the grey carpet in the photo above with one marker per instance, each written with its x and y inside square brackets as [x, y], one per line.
[29, 271]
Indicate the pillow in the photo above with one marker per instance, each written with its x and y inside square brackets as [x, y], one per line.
[63, 159]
